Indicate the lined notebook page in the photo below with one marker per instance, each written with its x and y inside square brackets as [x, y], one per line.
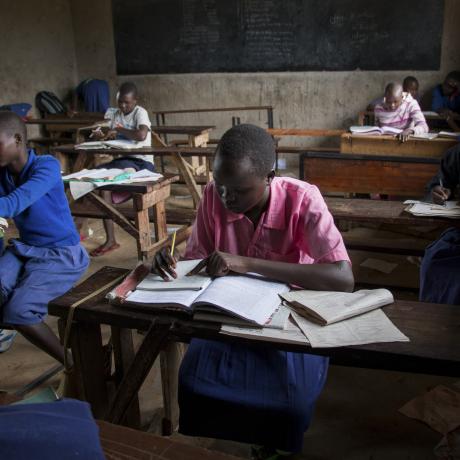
[252, 298]
[155, 283]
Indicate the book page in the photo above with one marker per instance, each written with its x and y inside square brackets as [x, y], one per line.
[390, 130]
[123, 144]
[332, 306]
[371, 327]
[252, 298]
[164, 299]
[197, 282]
[290, 334]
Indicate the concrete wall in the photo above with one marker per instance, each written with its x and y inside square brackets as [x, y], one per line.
[37, 49]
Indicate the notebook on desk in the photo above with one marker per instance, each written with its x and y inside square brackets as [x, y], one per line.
[250, 298]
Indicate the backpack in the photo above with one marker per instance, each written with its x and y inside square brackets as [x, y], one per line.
[48, 103]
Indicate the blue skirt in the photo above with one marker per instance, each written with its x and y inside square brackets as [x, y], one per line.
[252, 394]
[440, 270]
[59, 430]
[31, 276]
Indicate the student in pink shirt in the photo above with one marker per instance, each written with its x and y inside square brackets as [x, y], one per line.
[251, 221]
[400, 110]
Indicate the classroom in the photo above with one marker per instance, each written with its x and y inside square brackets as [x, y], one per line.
[230, 230]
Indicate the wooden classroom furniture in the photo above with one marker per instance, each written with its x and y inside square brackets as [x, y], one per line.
[306, 132]
[367, 118]
[145, 197]
[197, 136]
[334, 172]
[119, 442]
[432, 330]
[84, 158]
[389, 145]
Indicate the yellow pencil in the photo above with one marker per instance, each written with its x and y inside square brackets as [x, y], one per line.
[173, 243]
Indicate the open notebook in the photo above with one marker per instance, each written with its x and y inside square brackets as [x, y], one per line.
[451, 209]
[251, 298]
[374, 130]
[115, 144]
[327, 307]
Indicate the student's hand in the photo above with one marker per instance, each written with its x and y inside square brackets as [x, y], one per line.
[220, 264]
[164, 264]
[111, 135]
[97, 134]
[404, 136]
[440, 194]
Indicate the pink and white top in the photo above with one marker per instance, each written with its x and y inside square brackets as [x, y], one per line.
[407, 115]
[297, 227]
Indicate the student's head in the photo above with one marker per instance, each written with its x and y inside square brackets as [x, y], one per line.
[13, 137]
[410, 85]
[243, 167]
[393, 96]
[451, 83]
[127, 97]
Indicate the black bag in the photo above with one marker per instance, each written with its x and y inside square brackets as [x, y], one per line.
[48, 103]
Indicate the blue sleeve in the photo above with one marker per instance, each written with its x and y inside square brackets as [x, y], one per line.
[44, 177]
[437, 101]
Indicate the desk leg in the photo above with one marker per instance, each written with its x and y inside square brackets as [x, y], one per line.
[129, 387]
[123, 350]
[184, 169]
[88, 355]
[160, 225]
[170, 359]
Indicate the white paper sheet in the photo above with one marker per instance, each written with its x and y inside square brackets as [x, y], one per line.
[371, 327]
[182, 282]
[179, 298]
[418, 208]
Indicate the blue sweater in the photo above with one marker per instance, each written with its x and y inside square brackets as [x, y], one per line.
[439, 101]
[38, 204]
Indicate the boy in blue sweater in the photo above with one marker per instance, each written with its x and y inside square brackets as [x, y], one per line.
[47, 259]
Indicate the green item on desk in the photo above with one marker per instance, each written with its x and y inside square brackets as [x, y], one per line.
[45, 395]
[122, 176]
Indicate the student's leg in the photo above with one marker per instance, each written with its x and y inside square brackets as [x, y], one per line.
[109, 227]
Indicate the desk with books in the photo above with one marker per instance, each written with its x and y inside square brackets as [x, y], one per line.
[431, 328]
[389, 145]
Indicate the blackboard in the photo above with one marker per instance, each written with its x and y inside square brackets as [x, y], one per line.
[190, 36]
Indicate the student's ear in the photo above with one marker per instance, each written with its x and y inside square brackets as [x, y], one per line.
[18, 139]
[270, 176]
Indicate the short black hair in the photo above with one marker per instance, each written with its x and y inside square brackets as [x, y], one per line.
[128, 87]
[252, 142]
[393, 88]
[408, 80]
[12, 124]
[454, 75]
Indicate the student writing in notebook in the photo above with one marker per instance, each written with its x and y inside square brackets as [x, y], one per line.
[47, 258]
[251, 221]
[400, 110]
[130, 122]
[440, 269]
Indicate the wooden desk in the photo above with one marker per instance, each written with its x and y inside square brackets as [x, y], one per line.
[306, 132]
[381, 211]
[145, 196]
[84, 158]
[433, 331]
[198, 136]
[388, 145]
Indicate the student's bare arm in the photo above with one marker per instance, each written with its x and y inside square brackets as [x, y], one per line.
[336, 276]
[138, 135]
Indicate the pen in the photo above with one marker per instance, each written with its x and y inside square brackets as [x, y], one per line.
[442, 186]
[173, 243]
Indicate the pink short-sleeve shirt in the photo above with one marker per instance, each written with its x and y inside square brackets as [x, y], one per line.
[297, 227]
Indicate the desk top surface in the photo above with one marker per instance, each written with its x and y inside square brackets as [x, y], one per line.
[141, 187]
[188, 130]
[62, 121]
[159, 151]
[433, 329]
[346, 136]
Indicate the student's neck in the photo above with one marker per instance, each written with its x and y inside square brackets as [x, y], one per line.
[254, 213]
[17, 165]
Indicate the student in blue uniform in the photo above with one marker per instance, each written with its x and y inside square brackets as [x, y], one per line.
[249, 221]
[440, 270]
[47, 259]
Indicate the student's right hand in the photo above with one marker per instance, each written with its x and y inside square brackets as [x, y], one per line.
[440, 194]
[111, 135]
[97, 134]
[164, 264]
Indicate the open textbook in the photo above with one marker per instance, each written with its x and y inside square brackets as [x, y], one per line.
[115, 144]
[451, 209]
[252, 298]
[374, 130]
[3, 226]
[328, 307]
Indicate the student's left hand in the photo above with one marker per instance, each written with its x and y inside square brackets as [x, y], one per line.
[404, 136]
[220, 264]
[111, 135]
